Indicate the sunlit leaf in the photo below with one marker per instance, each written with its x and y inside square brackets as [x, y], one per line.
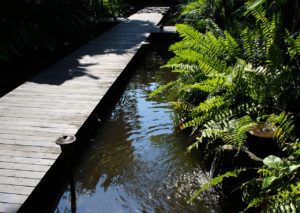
[268, 181]
[272, 161]
[294, 167]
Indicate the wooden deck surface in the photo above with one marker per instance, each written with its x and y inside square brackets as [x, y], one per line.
[58, 101]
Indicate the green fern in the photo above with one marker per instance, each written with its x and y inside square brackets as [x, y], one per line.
[278, 180]
[209, 85]
[297, 45]
[253, 4]
[237, 129]
[209, 104]
[285, 129]
[227, 84]
[161, 89]
[279, 186]
[194, 8]
[294, 47]
[215, 181]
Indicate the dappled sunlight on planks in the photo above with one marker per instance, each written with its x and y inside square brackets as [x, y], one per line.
[58, 101]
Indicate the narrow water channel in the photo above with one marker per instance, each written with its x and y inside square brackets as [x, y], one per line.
[137, 161]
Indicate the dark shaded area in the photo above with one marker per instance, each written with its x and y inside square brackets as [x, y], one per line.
[36, 33]
[23, 68]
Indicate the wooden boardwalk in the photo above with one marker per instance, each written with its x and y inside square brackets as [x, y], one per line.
[58, 101]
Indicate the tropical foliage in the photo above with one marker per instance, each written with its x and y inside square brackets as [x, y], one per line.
[230, 83]
[277, 188]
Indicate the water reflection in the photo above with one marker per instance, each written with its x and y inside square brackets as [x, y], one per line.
[137, 162]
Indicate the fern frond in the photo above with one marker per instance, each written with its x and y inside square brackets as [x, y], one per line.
[182, 106]
[161, 89]
[211, 69]
[253, 4]
[190, 36]
[181, 45]
[259, 12]
[195, 122]
[189, 56]
[294, 47]
[254, 46]
[218, 115]
[231, 45]
[209, 85]
[195, 7]
[195, 144]
[297, 44]
[211, 133]
[285, 130]
[192, 39]
[236, 134]
[215, 181]
[208, 133]
[181, 67]
[209, 104]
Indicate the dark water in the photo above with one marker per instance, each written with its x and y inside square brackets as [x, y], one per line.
[137, 161]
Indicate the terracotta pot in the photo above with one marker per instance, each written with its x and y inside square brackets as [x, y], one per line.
[261, 141]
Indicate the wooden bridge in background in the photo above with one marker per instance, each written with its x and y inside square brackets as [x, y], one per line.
[58, 101]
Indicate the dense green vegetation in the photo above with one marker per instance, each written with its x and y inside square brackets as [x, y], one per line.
[238, 76]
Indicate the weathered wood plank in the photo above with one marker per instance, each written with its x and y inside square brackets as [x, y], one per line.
[18, 173]
[50, 117]
[23, 167]
[28, 143]
[16, 159]
[57, 96]
[19, 118]
[55, 105]
[19, 181]
[89, 78]
[43, 99]
[66, 89]
[60, 131]
[18, 190]
[37, 110]
[9, 207]
[37, 123]
[36, 149]
[28, 154]
[12, 198]
[54, 133]
[26, 138]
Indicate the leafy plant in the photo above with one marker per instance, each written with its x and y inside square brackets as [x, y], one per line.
[214, 15]
[215, 181]
[277, 186]
[220, 76]
[219, 82]
[227, 84]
